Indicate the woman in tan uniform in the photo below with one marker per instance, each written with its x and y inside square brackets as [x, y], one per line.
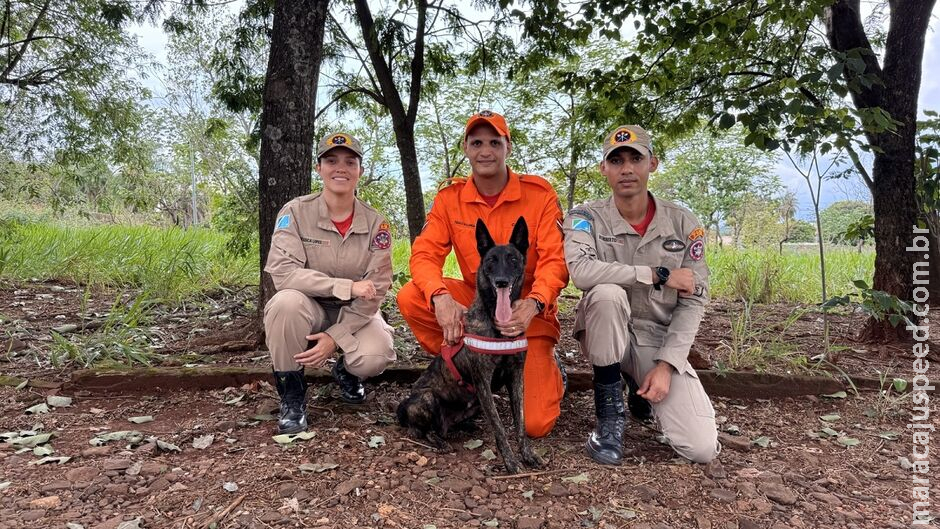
[331, 263]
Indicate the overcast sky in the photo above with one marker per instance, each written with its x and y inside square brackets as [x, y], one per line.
[154, 40]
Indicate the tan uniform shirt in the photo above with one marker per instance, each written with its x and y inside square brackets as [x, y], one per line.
[602, 248]
[308, 254]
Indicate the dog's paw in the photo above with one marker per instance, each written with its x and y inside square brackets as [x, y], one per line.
[440, 444]
[532, 460]
[512, 466]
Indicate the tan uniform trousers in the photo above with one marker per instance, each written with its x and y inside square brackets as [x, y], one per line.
[291, 315]
[686, 416]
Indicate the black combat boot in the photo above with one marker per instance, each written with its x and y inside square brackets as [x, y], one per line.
[605, 444]
[640, 408]
[351, 390]
[292, 388]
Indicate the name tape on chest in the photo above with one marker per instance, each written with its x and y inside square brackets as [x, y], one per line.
[610, 239]
[315, 242]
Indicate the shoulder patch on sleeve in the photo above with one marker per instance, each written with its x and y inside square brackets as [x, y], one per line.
[697, 250]
[283, 222]
[382, 240]
[581, 225]
[581, 212]
[697, 233]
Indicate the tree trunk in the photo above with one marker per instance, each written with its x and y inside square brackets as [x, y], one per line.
[572, 181]
[403, 120]
[411, 176]
[288, 104]
[933, 223]
[893, 192]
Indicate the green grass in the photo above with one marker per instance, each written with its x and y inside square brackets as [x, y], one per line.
[169, 263]
[401, 254]
[764, 276]
[173, 264]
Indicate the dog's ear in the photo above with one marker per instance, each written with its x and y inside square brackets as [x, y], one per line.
[484, 240]
[520, 236]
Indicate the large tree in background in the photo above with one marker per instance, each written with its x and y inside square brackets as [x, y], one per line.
[396, 51]
[783, 69]
[893, 90]
[287, 115]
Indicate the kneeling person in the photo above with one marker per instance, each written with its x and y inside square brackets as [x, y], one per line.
[331, 264]
[640, 262]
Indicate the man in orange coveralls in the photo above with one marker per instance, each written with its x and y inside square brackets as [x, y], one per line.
[434, 305]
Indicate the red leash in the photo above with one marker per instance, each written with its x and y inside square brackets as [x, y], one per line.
[482, 345]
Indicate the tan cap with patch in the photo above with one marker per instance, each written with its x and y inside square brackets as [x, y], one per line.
[339, 139]
[632, 136]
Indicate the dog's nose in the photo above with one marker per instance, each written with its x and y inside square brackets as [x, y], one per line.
[501, 283]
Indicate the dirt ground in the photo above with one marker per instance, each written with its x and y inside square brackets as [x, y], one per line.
[782, 463]
[216, 330]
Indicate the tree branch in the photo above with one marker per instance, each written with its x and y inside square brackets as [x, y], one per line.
[856, 160]
[354, 90]
[417, 64]
[28, 40]
[6, 17]
[365, 63]
[846, 32]
[29, 36]
[383, 72]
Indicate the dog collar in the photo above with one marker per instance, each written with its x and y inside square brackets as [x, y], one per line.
[481, 345]
[495, 346]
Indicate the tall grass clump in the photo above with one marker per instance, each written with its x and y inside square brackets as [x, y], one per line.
[401, 254]
[170, 263]
[766, 276]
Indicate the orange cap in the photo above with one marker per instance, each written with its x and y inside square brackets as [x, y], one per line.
[492, 119]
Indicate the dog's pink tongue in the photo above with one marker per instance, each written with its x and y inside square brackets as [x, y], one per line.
[503, 306]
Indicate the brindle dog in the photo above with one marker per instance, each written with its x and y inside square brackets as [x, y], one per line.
[438, 404]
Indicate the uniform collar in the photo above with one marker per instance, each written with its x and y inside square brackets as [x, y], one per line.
[660, 226]
[512, 191]
[359, 224]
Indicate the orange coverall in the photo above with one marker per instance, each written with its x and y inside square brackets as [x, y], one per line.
[452, 224]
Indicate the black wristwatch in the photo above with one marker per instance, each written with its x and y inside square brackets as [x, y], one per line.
[538, 305]
[662, 275]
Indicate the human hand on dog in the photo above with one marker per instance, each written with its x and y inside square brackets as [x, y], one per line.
[682, 280]
[523, 310]
[655, 386]
[363, 289]
[449, 316]
[316, 356]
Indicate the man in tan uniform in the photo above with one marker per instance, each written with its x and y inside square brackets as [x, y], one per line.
[640, 262]
[331, 263]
